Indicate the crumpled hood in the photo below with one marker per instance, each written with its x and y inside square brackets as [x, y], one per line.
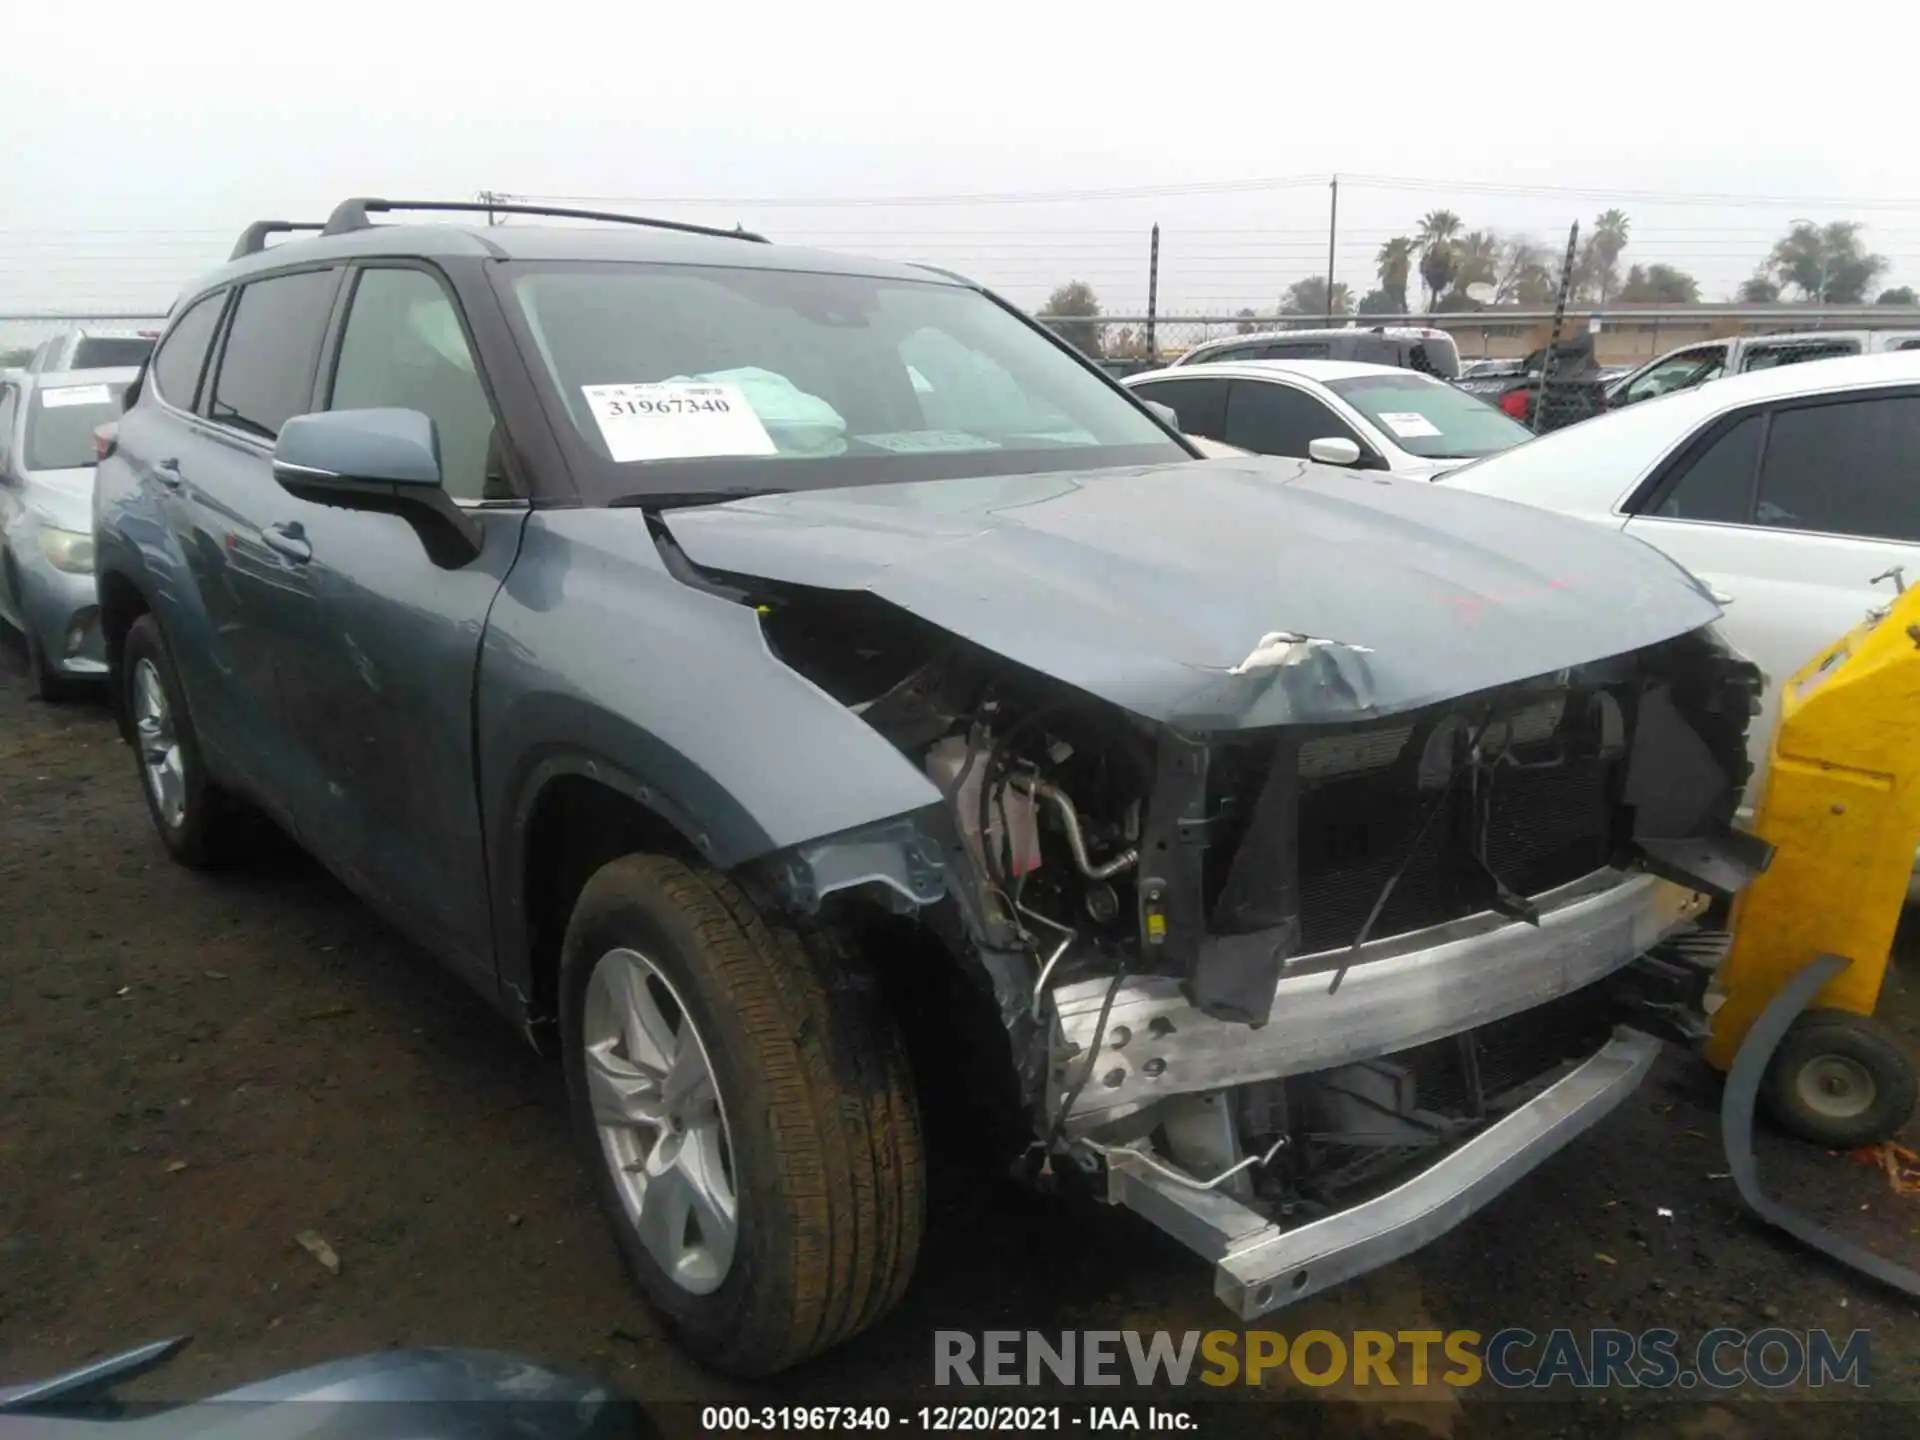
[1192, 593]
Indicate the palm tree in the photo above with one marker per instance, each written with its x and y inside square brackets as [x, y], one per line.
[1394, 263]
[1609, 238]
[1436, 236]
[1437, 227]
[1477, 259]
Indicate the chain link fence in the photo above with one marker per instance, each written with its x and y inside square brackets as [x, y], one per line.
[1623, 335]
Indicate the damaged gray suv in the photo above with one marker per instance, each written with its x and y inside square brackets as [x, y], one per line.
[808, 698]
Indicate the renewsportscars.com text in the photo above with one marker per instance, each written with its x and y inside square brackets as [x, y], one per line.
[1513, 1358]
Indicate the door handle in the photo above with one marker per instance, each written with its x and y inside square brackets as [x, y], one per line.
[289, 540]
[167, 472]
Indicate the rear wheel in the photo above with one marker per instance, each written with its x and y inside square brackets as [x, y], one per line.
[201, 825]
[742, 1097]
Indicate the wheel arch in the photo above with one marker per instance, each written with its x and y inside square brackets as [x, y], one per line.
[573, 812]
[576, 810]
[122, 602]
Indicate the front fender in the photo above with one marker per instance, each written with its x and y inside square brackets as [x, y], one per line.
[598, 662]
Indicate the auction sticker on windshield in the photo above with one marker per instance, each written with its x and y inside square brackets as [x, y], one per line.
[676, 420]
[76, 395]
[1408, 423]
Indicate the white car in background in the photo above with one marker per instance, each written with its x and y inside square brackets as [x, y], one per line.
[1693, 365]
[1794, 493]
[1367, 417]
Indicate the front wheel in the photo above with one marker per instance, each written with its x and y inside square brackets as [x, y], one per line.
[743, 1100]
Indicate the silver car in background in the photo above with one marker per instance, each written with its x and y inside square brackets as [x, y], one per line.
[92, 350]
[47, 454]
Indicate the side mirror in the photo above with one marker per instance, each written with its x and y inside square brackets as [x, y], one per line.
[1333, 451]
[1169, 416]
[348, 450]
[386, 461]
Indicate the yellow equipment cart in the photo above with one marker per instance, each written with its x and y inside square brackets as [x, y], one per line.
[1841, 806]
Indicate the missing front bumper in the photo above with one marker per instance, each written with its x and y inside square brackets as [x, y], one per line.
[1260, 1266]
[1398, 993]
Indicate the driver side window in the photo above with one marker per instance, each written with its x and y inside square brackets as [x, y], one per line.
[1273, 419]
[403, 348]
[1845, 467]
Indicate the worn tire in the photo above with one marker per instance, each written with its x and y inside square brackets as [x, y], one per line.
[213, 828]
[1839, 1080]
[828, 1166]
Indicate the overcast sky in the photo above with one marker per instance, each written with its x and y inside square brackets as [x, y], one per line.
[142, 137]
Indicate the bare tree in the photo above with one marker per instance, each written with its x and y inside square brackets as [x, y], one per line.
[1076, 298]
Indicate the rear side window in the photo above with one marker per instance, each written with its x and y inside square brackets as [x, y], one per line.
[1230, 352]
[1846, 469]
[105, 352]
[1435, 355]
[1200, 404]
[272, 351]
[1771, 357]
[1718, 484]
[183, 354]
[1298, 350]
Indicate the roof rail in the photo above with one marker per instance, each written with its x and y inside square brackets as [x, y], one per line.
[351, 215]
[253, 239]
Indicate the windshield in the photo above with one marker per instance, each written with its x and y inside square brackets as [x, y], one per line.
[110, 352]
[1430, 418]
[704, 379]
[61, 422]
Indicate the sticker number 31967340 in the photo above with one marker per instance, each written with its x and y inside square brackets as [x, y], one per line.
[676, 420]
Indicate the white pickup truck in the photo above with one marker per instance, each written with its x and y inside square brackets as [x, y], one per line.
[1693, 365]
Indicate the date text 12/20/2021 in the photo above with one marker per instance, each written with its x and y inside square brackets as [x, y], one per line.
[944, 1419]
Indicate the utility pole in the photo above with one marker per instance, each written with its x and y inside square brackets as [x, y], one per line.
[1333, 229]
[489, 198]
[1153, 288]
[1545, 378]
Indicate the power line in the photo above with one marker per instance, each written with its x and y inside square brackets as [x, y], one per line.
[1645, 197]
[1016, 197]
[1214, 187]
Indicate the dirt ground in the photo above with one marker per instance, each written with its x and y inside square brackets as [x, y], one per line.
[195, 1069]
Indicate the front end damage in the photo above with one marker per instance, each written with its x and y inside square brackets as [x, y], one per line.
[1303, 994]
[1306, 997]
